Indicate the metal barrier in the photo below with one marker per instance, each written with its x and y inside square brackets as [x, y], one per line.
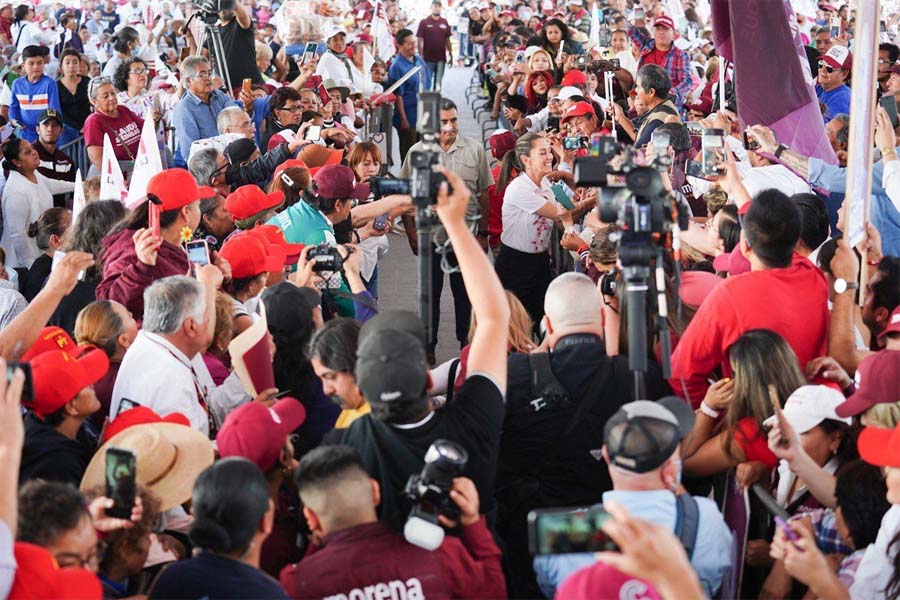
[76, 150]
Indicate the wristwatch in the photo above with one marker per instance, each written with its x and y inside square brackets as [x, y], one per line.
[842, 285]
[781, 148]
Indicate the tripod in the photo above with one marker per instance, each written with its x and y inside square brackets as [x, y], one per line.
[426, 223]
[211, 39]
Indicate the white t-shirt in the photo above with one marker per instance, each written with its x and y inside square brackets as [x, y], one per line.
[523, 229]
[778, 177]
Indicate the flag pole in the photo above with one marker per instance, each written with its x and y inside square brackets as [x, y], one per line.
[857, 197]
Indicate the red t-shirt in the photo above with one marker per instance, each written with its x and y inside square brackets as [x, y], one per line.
[124, 130]
[656, 57]
[495, 220]
[753, 442]
[434, 34]
[792, 302]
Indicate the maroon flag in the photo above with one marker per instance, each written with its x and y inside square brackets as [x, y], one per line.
[772, 79]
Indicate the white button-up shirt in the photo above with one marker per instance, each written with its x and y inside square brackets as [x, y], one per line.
[157, 375]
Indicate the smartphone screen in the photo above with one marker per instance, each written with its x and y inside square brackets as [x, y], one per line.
[28, 386]
[713, 151]
[660, 142]
[638, 12]
[694, 169]
[889, 103]
[520, 56]
[198, 252]
[121, 476]
[313, 134]
[381, 222]
[310, 51]
[125, 405]
[556, 531]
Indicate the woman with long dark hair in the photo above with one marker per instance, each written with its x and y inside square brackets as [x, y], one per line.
[555, 38]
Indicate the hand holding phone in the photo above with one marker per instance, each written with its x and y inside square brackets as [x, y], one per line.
[381, 222]
[198, 252]
[779, 416]
[121, 481]
[153, 210]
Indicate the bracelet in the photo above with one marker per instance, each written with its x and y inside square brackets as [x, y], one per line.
[889, 150]
[707, 410]
[781, 148]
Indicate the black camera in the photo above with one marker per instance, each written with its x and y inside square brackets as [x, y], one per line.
[388, 186]
[608, 284]
[425, 181]
[429, 491]
[213, 6]
[328, 258]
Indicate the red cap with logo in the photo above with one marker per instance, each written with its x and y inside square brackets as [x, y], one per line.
[257, 432]
[51, 338]
[664, 21]
[877, 382]
[574, 77]
[177, 188]
[249, 200]
[838, 57]
[273, 235]
[39, 576]
[249, 256]
[579, 109]
[139, 415]
[338, 182]
[59, 376]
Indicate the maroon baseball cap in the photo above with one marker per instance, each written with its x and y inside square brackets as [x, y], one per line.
[664, 21]
[893, 325]
[877, 382]
[838, 57]
[501, 142]
[337, 182]
[257, 432]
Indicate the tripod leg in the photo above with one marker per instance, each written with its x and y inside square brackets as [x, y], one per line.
[217, 50]
[426, 247]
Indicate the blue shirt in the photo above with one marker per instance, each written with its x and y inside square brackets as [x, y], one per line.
[883, 214]
[409, 91]
[196, 120]
[836, 101]
[712, 552]
[29, 100]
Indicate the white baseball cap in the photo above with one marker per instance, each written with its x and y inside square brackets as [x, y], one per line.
[567, 92]
[809, 405]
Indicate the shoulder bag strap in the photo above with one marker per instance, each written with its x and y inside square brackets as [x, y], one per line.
[687, 522]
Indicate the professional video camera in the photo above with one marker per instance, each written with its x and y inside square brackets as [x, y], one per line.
[429, 493]
[649, 218]
[210, 8]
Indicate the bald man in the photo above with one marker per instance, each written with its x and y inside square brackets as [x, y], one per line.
[553, 430]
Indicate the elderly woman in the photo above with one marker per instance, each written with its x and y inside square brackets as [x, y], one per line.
[131, 81]
[285, 110]
[121, 125]
[265, 64]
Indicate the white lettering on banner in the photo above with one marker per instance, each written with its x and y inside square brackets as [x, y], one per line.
[411, 589]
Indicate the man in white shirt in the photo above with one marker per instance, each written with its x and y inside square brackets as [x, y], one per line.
[765, 174]
[163, 369]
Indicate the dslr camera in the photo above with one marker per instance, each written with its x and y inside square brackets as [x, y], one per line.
[429, 493]
[209, 9]
[328, 258]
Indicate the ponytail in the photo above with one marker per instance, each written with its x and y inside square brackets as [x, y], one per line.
[512, 160]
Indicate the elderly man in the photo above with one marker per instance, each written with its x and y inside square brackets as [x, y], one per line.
[210, 167]
[661, 50]
[232, 123]
[194, 117]
[832, 89]
[163, 369]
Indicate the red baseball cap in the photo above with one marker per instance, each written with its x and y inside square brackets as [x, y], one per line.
[139, 415]
[273, 235]
[580, 109]
[257, 432]
[501, 142]
[249, 200]
[51, 338]
[574, 77]
[39, 576]
[59, 376]
[664, 21]
[877, 382]
[880, 447]
[249, 256]
[177, 188]
[338, 182]
[838, 57]
[696, 286]
[893, 324]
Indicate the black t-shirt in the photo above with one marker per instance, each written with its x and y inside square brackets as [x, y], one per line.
[36, 276]
[392, 454]
[212, 576]
[475, 27]
[240, 53]
[536, 445]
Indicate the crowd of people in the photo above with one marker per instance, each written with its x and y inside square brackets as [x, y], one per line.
[207, 396]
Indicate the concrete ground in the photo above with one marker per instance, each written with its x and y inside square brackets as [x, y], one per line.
[398, 270]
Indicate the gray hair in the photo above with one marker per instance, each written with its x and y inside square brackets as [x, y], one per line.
[263, 51]
[191, 65]
[227, 117]
[203, 164]
[572, 300]
[170, 301]
[843, 134]
[654, 77]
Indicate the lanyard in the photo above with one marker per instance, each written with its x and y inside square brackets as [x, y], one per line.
[198, 389]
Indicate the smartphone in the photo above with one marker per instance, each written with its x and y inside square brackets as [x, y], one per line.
[779, 414]
[125, 405]
[58, 256]
[28, 386]
[121, 481]
[559, 192]
[694, 169]
[313, 133]
[835, 27]
[198, 252]
[552, 123]
[780, 515]
[520, 56]
[323, 94]
[381, 222]
[294, 49]
[713, 151]
[185, 52]
[694, 128]
[562, 531]
[245, 86]
[750, 142]
[889, 103]
[153, 211]
[573, 143]
[616, 63]
[310, 51]
[660, 141]
[605, 38]
[638, 13]
[492, 74]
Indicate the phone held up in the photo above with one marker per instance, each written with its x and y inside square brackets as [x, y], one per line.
[562, 531]
[198, 252]
[121, 481]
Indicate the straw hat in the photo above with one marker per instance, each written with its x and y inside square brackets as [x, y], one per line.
[169, 459]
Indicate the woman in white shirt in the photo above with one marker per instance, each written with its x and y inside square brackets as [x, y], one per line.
[26, 195]
[528, 213]
[25, 32]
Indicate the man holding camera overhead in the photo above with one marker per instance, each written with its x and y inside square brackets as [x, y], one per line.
[238, 41]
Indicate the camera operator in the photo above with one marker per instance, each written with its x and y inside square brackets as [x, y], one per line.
[358, 552]
[549, 445]
[466, 158]
[391, 372]
[239, 43]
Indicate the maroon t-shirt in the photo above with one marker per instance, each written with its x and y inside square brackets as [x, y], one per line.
[434, 34]
[124, 130]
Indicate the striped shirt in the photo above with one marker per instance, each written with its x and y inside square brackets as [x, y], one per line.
[29, 100]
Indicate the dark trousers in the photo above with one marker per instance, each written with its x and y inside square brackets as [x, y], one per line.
[461, 305]
[407, 139]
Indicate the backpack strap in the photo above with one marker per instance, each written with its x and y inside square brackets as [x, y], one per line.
[451, 380]
[687, 522]
[546, 390]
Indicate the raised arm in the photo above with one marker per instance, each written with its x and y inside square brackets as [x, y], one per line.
[487, 353]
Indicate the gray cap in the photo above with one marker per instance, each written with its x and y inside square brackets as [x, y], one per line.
[391, 366]
[642, 435]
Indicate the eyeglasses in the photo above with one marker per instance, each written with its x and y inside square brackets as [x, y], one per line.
[69, 560]
[95, 83]
[220, 171]
[828, 69]
[204, 75]
[293, 109]
[138, 71]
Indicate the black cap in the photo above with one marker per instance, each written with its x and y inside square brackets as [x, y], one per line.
[240, 150]
[49, 114]
[642, 435]
[289, 310]
[391, 366]
[399, 320]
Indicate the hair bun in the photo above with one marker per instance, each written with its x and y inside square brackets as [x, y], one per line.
[33, 229]
[209, 535]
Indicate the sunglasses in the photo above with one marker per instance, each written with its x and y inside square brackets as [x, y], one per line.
[828, 68]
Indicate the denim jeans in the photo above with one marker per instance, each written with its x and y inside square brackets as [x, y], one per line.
[437, 72]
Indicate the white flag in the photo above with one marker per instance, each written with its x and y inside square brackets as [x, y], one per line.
[112, 182]
[147, 163]
[78, 201]
[381, 33]
[368, 61]
[594, 36]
